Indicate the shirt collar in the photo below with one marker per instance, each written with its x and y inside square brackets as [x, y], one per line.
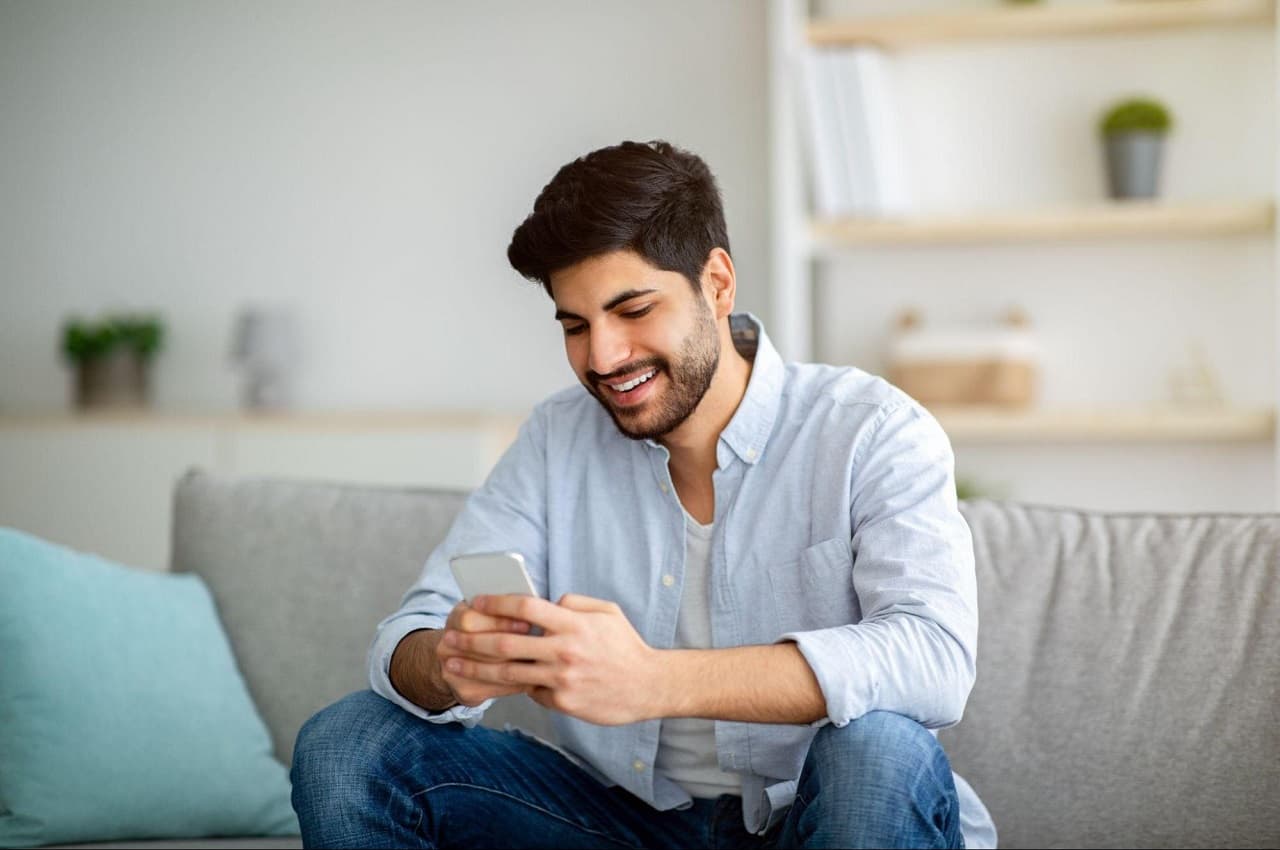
[752, 423]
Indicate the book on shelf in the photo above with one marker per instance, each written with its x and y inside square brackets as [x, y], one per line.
[854, 135]
[828, 170]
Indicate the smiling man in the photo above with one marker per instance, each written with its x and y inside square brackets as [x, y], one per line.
[757, 592]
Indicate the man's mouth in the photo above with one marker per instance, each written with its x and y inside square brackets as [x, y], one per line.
[628, 386]
[633, 390]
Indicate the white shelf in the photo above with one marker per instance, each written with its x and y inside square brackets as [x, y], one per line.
[1120, 219]
[1152, 424]
[308, 421]
[1042, 21]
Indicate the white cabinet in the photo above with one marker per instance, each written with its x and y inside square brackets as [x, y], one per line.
[104, 483]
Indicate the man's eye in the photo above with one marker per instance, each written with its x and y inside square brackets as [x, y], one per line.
[574, 330]
[635, 314]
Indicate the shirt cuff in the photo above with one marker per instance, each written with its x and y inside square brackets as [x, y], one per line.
[827, 651]
[384, 646]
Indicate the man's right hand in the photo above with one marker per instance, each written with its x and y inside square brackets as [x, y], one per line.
[417, 665]
[464, 618]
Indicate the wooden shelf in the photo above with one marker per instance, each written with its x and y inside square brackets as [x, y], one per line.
[1046, 21]
[1154, 424]
[1115, 219]
[309, 421]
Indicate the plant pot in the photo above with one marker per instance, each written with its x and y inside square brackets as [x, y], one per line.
[1133, 164]
[117, 379]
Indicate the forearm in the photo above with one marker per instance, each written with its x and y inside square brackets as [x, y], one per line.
[748, 684]
[415, 671]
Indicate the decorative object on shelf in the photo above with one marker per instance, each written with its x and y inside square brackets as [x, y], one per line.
[112, 357]
[968, 487]
[983, 365]
[1133, 132]
[1194, 382]
[265, 345]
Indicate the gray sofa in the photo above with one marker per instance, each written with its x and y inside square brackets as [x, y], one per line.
[1128, 687]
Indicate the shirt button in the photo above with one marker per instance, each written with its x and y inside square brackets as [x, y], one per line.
[751, 454]
[668, 580]
[664, 487]
[638, 765]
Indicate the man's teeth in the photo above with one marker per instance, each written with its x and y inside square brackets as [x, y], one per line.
[631, 385]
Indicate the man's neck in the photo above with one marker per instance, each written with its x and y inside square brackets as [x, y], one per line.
[693, 444]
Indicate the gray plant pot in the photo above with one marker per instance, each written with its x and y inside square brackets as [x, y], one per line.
[118, 379]
[1133, 164]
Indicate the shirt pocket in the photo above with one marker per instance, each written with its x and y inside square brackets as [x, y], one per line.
[815, 590]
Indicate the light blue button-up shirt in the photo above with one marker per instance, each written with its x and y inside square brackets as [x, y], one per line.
[836, 527]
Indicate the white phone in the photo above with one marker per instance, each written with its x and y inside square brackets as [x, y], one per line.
[491, 574]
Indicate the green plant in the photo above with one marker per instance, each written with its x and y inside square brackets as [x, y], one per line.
[967, 488]
[1141, 114]
[85, 340]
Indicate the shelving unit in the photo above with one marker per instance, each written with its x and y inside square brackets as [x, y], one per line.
[802, 243]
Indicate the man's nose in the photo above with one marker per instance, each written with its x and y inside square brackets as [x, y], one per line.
[609, 350]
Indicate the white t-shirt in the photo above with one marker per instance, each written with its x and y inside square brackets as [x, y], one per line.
[687, 745]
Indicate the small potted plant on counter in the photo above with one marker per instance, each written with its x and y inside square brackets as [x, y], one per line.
[1133, 133]
[112, 358]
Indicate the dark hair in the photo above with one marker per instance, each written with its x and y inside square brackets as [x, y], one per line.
[652, 198]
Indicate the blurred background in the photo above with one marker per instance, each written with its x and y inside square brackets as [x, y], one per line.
[268, 238]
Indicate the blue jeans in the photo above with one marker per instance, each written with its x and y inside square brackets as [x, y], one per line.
[368, 774]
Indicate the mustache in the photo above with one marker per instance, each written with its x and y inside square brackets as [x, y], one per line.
[629, 368]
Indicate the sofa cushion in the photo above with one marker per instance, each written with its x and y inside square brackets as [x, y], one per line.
[1128, 688]
[122, 714]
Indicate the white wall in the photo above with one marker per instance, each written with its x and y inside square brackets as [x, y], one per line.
[365, 162]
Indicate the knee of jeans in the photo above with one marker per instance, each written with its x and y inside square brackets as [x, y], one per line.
[879, 745]
[337, 740]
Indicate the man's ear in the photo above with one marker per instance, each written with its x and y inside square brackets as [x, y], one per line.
[719, 281]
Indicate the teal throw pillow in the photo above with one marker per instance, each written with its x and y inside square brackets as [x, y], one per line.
[122, 713]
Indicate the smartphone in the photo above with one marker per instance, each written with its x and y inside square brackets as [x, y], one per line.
[491, 574]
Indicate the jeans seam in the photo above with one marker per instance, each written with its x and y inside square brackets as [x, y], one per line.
[526, 803]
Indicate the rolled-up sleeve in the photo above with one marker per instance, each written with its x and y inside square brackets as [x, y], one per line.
[914, 651]
[507, 512]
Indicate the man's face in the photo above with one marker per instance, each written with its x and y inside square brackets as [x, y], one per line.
[639, 339]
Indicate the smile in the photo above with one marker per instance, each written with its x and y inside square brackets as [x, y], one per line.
[628, 386]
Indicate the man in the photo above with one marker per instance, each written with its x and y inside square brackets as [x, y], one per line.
[763, 589]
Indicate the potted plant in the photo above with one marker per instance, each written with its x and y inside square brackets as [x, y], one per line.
[1133, 132]
[112, 358]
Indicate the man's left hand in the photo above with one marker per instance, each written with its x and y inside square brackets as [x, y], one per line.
[589, 663]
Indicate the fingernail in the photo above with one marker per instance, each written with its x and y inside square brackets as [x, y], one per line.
[451, 639]
[478, 603]
[454, 665]
[520, 626]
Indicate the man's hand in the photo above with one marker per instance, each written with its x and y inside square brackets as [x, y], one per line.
[465, 620]
[590, 663]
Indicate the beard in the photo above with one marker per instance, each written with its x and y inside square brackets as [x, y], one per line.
[688, 379]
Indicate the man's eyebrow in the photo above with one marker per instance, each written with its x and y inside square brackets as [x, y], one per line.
[620, 298]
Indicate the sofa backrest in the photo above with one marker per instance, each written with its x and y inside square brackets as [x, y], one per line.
[1128, 687]
[1128, 690]
[301, 573]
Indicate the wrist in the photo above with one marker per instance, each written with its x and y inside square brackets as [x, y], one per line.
[669, 683]
[416, 672]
